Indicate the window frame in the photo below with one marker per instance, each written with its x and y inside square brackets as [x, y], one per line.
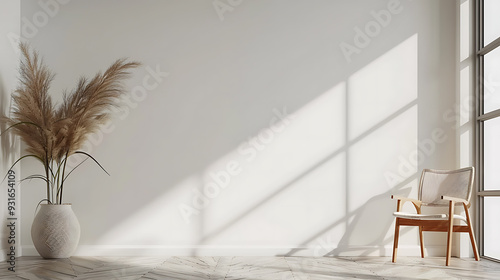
[480, 52]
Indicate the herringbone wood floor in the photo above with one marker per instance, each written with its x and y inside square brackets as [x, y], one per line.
[251, 268]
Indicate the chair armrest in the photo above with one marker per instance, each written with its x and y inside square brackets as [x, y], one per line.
[455, 199]
[405, 199]
[401, 201]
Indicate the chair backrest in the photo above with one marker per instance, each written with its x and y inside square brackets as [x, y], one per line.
[436, 183]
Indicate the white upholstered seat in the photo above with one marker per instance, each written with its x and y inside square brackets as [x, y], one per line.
[427, 216]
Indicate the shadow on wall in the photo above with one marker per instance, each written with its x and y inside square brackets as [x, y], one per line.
[376, 214]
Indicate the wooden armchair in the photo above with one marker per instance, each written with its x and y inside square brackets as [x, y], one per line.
[439, 188]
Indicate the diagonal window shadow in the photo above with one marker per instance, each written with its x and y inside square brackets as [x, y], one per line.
[355, 216]
[345, 149]
[306, 172]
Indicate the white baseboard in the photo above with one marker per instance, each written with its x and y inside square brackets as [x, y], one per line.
[154, 250]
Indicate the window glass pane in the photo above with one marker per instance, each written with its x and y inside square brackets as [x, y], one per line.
[491, 20]
[491, 83]
[492, 227]
[492, 154]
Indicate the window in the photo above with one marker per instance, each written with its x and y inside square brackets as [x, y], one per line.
[488, 124]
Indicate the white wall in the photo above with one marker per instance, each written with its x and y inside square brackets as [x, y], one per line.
[10, 11]
[357, 110]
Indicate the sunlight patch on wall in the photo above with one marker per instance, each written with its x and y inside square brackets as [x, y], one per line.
[385, 149]
[465, 149]
[464, 30]
[466, 104]
[383, 154]
[307, 206]
[465, 114]
[383, 87]
[258, 206]
[383, 122]
[263, 197]
[389, 148]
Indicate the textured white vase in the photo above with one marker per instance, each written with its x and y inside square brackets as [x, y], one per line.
[55, 231]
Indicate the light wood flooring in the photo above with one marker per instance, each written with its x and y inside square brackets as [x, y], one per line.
[250, 268]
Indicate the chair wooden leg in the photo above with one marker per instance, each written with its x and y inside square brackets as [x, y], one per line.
[396, 240]
[473, 242]
[421, 233]
[450, 232]
[471, 234]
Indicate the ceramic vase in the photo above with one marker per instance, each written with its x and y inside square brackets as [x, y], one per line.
[55, 231]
